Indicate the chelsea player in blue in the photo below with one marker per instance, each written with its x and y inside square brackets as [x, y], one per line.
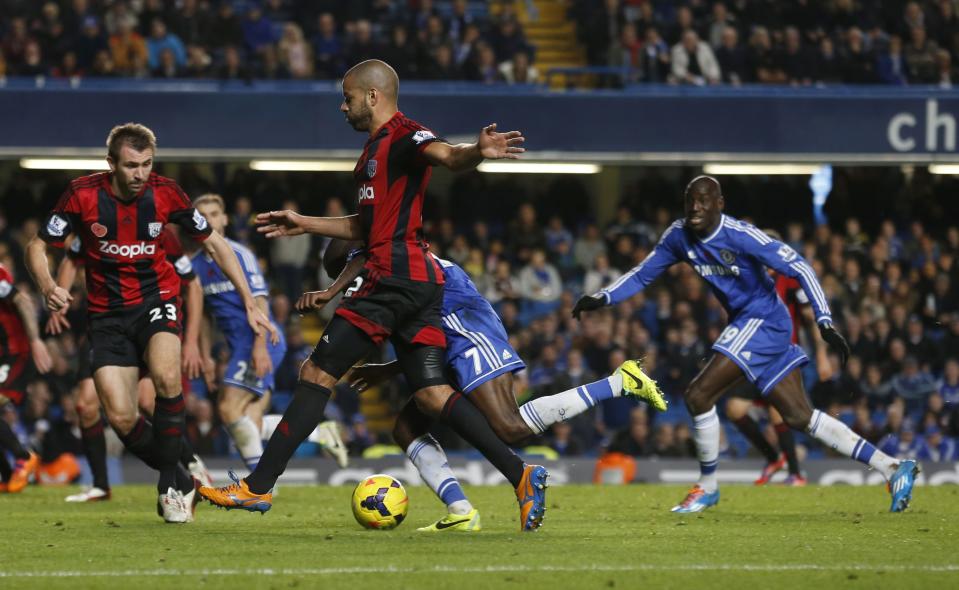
[480, 363]
[731, 255]
[245, 392]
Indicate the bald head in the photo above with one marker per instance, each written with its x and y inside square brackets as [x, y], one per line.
[704, 205]
[374, 74]
[704, 184]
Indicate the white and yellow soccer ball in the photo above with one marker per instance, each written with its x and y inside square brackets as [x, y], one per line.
[380, 502]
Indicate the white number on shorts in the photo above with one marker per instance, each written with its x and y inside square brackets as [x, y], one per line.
[241, 373]
[157, 313]
[728, 335]
[357, 283]
[474, 354]
[4, 373]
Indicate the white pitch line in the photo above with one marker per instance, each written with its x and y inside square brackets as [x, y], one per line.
[801, 567]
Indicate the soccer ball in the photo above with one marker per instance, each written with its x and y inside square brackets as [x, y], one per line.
[380, 502]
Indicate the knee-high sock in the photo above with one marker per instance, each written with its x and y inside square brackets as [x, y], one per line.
[429, 459]
[140, 442]
[169, 426]
[748, 427]
[5, 469]
[246, 437]
[299, 420]
[788, 445]
[542, 412]
[469, 423]
[706, 435]
[95, 449]
[10, 442]
[842, 439]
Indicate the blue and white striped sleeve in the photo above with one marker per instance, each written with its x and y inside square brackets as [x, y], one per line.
[785, 260]
[251, 268]
[659, 259]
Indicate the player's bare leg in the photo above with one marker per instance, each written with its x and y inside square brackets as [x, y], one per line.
[787, 443]
[235, 406]
[94, 443]
[789, 397]
[496, 401]
[737, 411]
[703, 392]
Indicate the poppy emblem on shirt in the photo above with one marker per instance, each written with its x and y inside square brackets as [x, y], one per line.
[99, 230]
[727, 256]
[370, 168]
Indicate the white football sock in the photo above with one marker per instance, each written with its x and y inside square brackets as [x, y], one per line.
[246, 437]
[429, 459]
[841, 438]
[706, 435]
[542, 412]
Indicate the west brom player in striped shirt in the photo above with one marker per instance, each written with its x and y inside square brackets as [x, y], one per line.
[21, 351]
[732, 256]
[133, 296]
[400, 291]
[481, 362]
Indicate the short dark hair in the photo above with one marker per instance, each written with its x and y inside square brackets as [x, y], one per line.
[137, 136]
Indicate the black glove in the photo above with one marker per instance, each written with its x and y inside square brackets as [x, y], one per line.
[835, 341]
[588, 303]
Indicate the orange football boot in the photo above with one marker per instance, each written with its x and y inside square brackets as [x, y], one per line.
[22, 472]
[237, 495]
[531, 495]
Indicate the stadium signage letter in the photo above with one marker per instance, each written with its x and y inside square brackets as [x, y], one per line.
[901, 129]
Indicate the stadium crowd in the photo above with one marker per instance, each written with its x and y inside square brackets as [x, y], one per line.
[695, 42]
[893, 285]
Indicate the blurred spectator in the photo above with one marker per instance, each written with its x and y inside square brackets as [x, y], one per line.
[719, 22]
[90, 42]
[401, 53]
[162, 40]
[920, 55]
[294, 52]
[539, 285]
[33, 63]
[167, 67]
[693, 61]
[128, 49]
[257, 29]
[765, 62]
[891, 66]
[732, 58]
[288, 257]
[857, 65]
[518, 70]
[233, 67]
[656, 54]
[564, 442]
[225, 28]
[634, 439]
[328, 48]
[507, 39]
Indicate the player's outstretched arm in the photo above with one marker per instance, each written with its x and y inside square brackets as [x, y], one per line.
[318, 299]
[491, 145]
[262, 363]
[56, 297]
[28, 314]
[66, 274]
[192, 361]
[224, 256]
[278, 224]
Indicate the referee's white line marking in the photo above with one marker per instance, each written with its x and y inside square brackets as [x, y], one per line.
[799, 567]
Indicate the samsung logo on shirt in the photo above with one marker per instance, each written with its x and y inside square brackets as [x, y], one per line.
[716, 270]
[218, 287]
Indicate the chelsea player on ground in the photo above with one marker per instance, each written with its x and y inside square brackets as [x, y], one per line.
[480, 363]
[245, 392]
[731, 255]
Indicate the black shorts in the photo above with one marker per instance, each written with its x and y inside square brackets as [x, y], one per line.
[119, 338]
[16, 371]
[407, 313]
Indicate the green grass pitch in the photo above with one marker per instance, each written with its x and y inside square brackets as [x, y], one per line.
[593, 537]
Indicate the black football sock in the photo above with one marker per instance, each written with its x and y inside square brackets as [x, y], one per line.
[788, 444]
[10, 442]
[186, 452]
[95, 448]
[469, 423]
[139, 441]
[299, 420]
[169, 419]
[748, 427]
[5, 470]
